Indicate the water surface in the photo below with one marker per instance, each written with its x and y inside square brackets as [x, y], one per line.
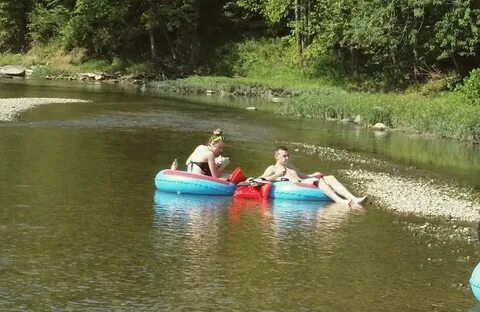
[82, 228]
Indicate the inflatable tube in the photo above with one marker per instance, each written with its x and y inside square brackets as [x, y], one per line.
[176, 181]
[475, 282]
[296, 191]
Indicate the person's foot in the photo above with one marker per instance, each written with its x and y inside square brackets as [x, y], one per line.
[361, 200]
[353, 204]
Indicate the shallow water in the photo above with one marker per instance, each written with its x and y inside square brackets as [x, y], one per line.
[82, 228]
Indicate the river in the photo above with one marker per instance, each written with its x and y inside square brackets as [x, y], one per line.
[82, 228]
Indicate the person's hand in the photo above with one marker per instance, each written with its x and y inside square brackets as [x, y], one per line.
[226, 161]
[283, 171]
[222, 162]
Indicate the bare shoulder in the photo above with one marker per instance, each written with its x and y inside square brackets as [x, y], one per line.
[270, 169]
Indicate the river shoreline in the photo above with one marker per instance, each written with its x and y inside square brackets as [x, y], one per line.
[11, 107]
[445, 115]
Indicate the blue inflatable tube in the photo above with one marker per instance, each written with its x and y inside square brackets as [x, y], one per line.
[177, 181]
[475, 282]
[296, 191]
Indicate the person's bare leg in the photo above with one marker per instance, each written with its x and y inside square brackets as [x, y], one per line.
[342, 190]
[327, 190]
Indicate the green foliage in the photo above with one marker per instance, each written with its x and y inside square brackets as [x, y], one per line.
[144, 69]
[103, 65]
[272, 10]
[98, 26]
[458, 32]
[44, 71]
[262, 59]
[46, 22]
[363, 39]
[471, 87]
[13, 25]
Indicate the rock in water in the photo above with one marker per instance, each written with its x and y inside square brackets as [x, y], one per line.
[13, 70]
[379, 126]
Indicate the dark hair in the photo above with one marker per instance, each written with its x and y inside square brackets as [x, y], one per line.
[216, 137]
[280, 148]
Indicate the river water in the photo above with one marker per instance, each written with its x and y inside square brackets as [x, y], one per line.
[82, 228]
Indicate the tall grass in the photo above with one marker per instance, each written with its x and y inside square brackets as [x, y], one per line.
[12, 59]
[233, 86]
[448, 115]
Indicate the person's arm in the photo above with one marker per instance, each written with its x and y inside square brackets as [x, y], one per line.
[213, 166]
[190, 157]
[188, 160]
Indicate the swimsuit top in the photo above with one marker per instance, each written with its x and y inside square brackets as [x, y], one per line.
[203, 166]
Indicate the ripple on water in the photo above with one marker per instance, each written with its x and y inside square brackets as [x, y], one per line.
[238, 129]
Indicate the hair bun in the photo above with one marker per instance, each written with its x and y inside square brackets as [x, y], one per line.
[217, 131]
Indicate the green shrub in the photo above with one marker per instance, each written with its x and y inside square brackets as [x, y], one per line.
[471, 87]
[44, 71]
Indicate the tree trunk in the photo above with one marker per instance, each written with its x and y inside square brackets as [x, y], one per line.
[172, 51]
[297, 29]
[415, 63]
[353, 61]
[458, 67]
[153, 47]
[303, 27]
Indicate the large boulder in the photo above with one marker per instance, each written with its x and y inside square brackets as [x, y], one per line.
[12, 70]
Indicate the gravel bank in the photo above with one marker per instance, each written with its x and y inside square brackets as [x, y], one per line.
[417, 195]
[10, 107]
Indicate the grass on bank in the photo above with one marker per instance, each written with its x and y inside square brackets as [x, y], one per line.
[447, 115]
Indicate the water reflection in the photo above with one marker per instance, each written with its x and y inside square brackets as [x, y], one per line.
[476, 308]
[200, 213]
[169, 203]
[250, 248]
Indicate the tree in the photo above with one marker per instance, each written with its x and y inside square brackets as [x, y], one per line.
[102, 27]
[47, 21]
[458, 33]
[167, 16]
[13, 25]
